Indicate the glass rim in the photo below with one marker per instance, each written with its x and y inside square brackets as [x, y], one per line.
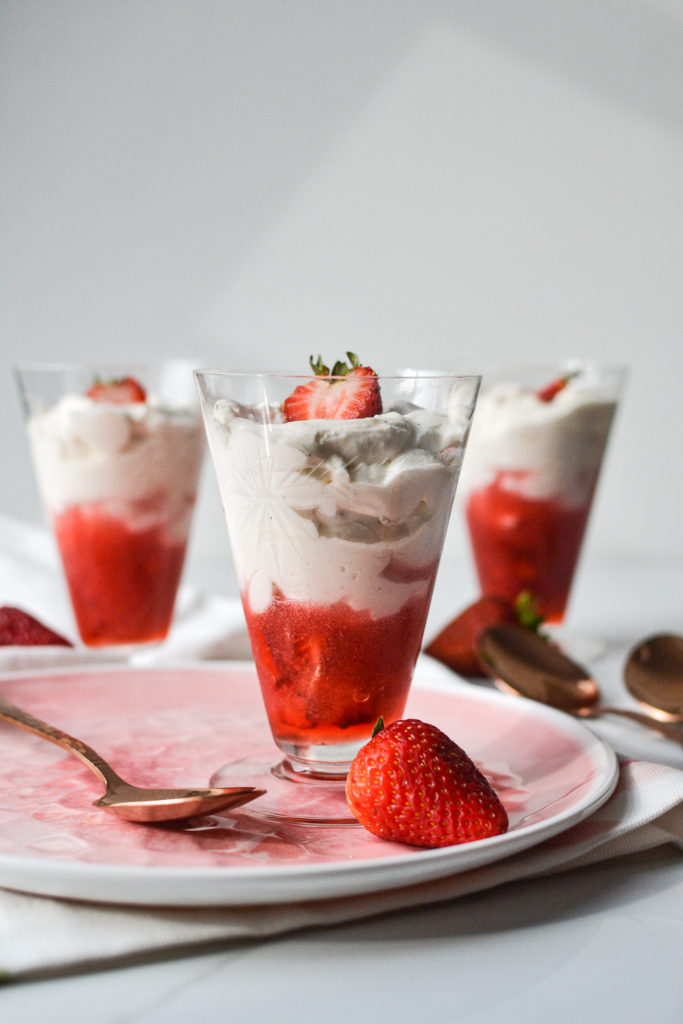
[408, 374]
[83, 364]
[566, 363]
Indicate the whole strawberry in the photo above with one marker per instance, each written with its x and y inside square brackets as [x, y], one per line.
[456, 645]
[412, 784]
[17, 627]
[348, 393]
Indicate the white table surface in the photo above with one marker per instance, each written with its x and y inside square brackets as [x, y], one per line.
[597, 944]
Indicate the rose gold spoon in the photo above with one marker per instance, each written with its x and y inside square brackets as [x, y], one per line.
[653, 674]
[134, 803]
[522, 662]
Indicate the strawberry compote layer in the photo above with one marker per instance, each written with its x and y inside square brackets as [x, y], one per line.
[327, 672]
[122, 580]
[520, 543]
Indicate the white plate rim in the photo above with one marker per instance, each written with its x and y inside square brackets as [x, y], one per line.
[117, 884]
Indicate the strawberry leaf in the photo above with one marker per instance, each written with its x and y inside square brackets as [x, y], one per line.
[340, 368]
[526, 608]
[318, 367]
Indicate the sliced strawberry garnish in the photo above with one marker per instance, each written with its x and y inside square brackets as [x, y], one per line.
[456, 645]
[547, 393]
[412, 784]
[345, 394]
[19, 628]
[123, 391]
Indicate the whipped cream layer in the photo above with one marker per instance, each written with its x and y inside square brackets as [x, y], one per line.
[142, 460]
[336, 510]
[540, 449]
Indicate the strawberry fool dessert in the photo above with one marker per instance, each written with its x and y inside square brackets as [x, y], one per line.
[337, 501]
[118, 473]
[533, 464]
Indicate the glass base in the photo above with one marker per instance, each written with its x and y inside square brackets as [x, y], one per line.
[580, 647]
[322, 760]
[298, 797]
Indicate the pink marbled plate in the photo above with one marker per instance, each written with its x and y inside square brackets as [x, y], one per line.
[176, 726]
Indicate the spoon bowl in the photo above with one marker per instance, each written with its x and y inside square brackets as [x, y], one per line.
[133, 803]
[523, 663]
[653, 674]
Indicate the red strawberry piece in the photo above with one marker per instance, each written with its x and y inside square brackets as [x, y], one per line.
[456, 644]
[412, 784]
[123, 391]
[348, 393]
[19, 628]
[547, 393]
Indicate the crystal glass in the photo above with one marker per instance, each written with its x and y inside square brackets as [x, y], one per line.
[336, 528]
[538, 442]
[118, 476]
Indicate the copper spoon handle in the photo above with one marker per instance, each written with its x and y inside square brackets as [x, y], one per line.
[11, 713]
[672, 730]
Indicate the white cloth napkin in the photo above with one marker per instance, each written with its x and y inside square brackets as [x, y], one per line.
[40, 935]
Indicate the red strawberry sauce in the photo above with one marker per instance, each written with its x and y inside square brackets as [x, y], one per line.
[521, 543]
[327, 672]
[122, 581]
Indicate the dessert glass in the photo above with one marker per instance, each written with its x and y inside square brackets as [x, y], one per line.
[538, 441]
[118, 483]
[336, 528]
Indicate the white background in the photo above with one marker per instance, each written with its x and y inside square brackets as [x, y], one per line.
[422, 182]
